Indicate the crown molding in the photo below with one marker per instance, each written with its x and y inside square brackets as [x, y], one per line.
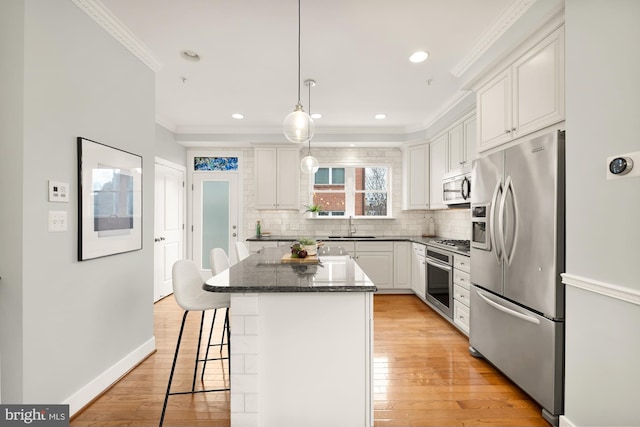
[507, 19]
[99, 13]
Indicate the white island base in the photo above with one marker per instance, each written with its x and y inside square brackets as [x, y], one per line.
[301, 359]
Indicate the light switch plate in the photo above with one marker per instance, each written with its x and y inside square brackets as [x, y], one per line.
[57, 221]
[58, 191]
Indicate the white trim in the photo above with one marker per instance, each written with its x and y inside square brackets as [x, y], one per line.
[613, 291]
[565, 422]
[170, 164]
[94, 388]
[508, 18]
[107, 20]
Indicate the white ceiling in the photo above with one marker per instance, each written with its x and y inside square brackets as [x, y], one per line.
[356, 50]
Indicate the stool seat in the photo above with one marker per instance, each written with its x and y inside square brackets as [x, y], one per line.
[187, 289]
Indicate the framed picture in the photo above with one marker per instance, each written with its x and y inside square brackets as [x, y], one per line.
[109, 200]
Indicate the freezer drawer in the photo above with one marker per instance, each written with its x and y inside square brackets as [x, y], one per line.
[526, 347]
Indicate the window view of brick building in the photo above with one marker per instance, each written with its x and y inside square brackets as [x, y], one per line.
[351, 191]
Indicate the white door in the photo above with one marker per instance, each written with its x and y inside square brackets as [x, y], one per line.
[216, 217]
[169, 225]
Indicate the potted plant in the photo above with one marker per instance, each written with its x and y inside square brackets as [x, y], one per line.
[310, 245]
[313, 210]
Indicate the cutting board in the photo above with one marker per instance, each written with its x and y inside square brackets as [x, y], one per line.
[310, 259]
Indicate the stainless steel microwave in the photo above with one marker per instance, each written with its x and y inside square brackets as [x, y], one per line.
[456, 190]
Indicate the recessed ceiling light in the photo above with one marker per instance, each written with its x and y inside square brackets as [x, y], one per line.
[380, 116]
[190, 55]
[316, 116]
[237, 116]
[418, 56]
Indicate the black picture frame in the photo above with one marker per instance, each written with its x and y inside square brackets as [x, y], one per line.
[109, 200]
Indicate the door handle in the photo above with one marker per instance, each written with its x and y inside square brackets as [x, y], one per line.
[508, 187]
[441, 266]
[466, 184]
[508, 310]
[497, 192]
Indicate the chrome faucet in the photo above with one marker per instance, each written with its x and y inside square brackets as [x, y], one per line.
[352, 228]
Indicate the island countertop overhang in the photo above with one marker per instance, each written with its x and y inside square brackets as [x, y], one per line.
[265, 272]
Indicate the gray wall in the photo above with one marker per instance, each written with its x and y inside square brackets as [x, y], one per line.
[603, 230]
[11, 160]
[72, 321]
[167, 148]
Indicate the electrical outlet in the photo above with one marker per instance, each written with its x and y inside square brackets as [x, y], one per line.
[57, 221]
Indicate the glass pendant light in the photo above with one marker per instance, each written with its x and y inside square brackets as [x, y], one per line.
[298, 125]
[309, 164]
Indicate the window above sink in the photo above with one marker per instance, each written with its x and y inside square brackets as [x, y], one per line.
[361, 191]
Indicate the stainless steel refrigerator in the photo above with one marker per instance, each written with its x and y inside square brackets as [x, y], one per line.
[517, 255]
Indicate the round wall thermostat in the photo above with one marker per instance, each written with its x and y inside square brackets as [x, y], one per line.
[620, 165]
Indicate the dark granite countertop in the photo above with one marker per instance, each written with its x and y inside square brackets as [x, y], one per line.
[359, 238]
[265, 272]
[413, 239]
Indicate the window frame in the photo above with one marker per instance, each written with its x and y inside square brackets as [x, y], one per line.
[350, 190]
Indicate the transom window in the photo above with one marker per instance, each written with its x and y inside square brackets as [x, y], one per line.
[352, 191]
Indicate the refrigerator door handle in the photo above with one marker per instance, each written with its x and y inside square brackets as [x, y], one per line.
[508, 310]
[508, 187]
[497, 192]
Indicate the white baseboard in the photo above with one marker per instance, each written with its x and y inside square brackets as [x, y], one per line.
[103, 381]
[565, 422]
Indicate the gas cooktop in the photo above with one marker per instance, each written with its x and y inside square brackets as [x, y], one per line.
[459, 245]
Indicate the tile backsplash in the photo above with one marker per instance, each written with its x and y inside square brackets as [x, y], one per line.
[449, 223]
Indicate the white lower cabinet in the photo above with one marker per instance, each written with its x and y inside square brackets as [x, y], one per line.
[402, 253]
[461, 292]
[418, 283]
[376, 260]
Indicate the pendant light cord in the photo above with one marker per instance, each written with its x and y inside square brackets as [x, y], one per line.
[310, 113]
[299, 52]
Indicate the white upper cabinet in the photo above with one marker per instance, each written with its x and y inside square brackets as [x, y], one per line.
[456, 147]
[462, 146]
[277, 178]
[526, 97]
[470, 140]
[416, 178]
[494, 111]
[438, 169]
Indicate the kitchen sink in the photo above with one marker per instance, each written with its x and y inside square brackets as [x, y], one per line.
[352, 237]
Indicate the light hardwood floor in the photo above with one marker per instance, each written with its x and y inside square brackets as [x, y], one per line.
[423, 376]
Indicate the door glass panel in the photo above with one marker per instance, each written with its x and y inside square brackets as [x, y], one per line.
[215, 218]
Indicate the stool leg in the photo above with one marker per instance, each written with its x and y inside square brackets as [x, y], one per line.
[195, 368]
[206, 356]
[173, 368]
[224, 329]
[228, 326]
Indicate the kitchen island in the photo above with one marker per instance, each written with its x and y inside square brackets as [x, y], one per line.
[301, 340]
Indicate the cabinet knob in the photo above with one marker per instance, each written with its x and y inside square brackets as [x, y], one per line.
[507, 131]
[513, 129]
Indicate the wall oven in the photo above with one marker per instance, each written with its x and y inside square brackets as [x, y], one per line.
[439, 278]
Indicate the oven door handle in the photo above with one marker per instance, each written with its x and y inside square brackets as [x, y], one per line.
[438, 265]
